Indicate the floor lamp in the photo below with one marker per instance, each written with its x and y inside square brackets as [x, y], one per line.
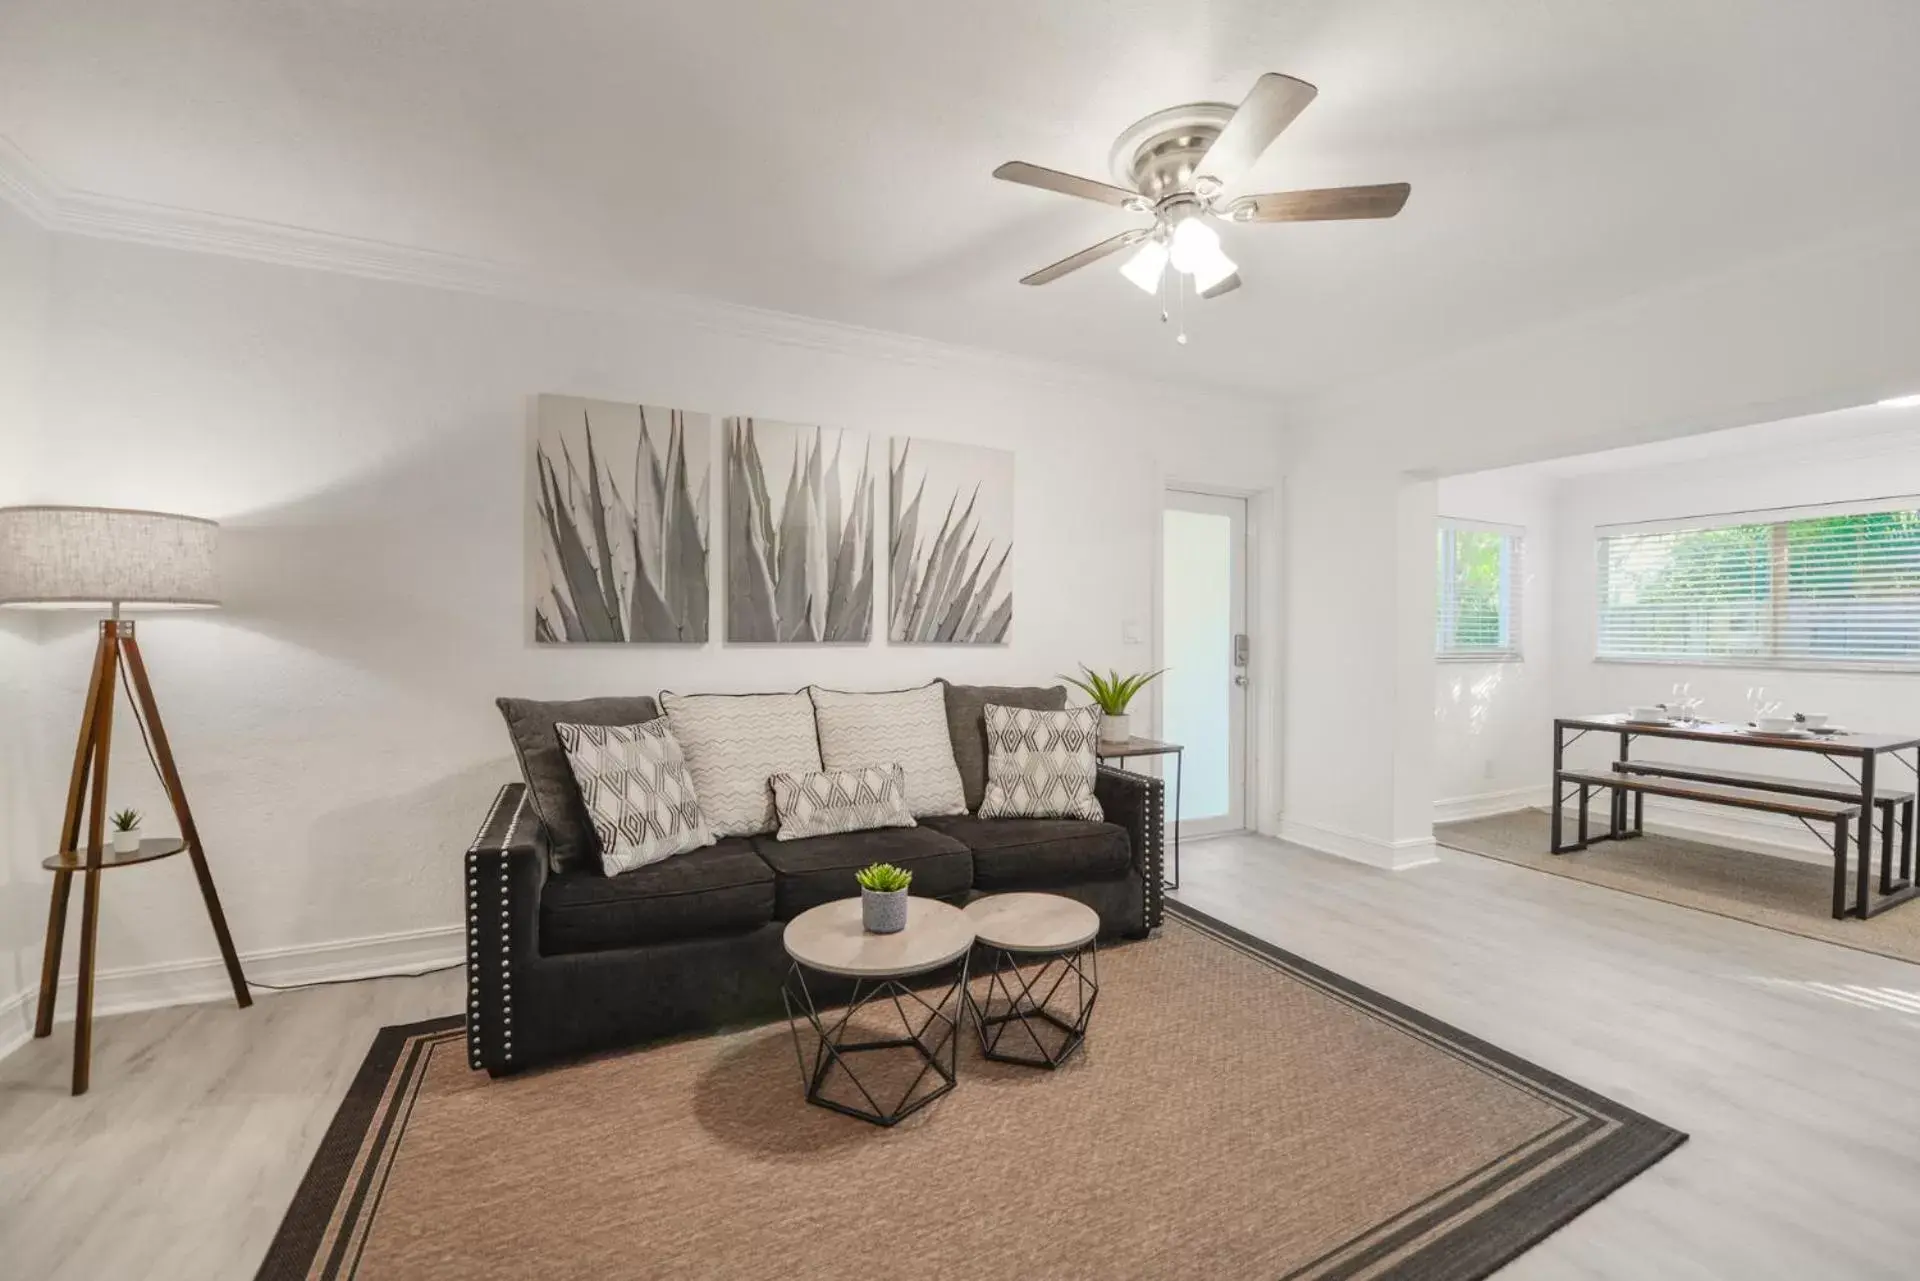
[103, 559]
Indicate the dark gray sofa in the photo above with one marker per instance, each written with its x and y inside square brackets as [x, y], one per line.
[563, 960]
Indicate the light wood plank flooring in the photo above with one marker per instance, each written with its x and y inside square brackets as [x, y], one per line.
[1790, 1061]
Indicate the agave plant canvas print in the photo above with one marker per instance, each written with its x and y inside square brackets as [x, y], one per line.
[620, 522]
[799, 533]
[951, 542]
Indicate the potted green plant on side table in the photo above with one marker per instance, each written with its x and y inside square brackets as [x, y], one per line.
[883, 897]
[126, 832]
[1111, 694]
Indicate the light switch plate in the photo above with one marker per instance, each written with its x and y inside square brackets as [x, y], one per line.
[1130, 631]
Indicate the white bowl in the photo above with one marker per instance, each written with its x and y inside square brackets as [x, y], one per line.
[1813, 720]
[1646, 713]
[1776, 724]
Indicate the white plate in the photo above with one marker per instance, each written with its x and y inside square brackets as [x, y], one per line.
[1663, 721]
[1757, 732]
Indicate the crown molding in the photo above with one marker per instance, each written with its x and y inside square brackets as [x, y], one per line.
[84, 213]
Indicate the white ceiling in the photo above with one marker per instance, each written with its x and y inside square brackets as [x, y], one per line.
[832, 158]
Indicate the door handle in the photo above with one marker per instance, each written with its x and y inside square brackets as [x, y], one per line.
[1242, 681]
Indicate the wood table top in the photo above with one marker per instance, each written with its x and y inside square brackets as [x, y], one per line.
[1136, 747]
[831, 938]
[1840, 744]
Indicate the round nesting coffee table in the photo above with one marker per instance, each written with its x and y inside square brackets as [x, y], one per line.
[1042, 972]
[829, 940]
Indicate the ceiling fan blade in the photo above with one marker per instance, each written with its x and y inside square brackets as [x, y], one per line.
[1327, 203]
[1268, 108]
[1067, 184]
[1093, 253]
[1226, 286]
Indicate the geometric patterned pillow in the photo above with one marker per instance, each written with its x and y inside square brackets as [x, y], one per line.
[634, 781]
[853, 800]
[1041, 764]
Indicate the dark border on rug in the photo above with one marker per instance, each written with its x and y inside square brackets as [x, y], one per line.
[304, 1226]
[1488, 1241]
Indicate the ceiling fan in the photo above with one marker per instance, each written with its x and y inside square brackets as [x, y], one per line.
[1176, 165]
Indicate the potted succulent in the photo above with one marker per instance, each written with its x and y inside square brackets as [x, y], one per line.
[126, 832]
[1111, 693]
[883, 897]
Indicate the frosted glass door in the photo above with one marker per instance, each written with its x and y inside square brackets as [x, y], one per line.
[1203, 621]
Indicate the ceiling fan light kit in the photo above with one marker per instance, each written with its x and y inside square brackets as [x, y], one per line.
[1177, 165]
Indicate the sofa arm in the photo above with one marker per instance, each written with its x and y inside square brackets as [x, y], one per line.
[506, 868]
[1137, 802]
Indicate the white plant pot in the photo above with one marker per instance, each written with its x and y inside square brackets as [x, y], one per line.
[126, 842]
[1116, 729]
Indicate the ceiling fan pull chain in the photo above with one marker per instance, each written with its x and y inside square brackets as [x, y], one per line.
[1181, 278]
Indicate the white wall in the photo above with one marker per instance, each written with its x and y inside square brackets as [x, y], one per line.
[1835, 462]
[1835, 324]
[363, 444]
[1490, 746]
[23, 318]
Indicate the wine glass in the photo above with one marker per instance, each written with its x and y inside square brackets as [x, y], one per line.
[1683, 702]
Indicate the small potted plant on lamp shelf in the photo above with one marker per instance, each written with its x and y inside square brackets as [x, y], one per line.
[883, 897]
[1111, 693]
[126, 832]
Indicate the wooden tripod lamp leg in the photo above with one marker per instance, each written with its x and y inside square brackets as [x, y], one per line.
[96, 847]
[70, 839]
[177, 794]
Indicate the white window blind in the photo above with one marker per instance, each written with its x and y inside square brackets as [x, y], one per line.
[1822, 588]
[1479, 592]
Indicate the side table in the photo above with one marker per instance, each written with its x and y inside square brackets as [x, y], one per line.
[1132, 747]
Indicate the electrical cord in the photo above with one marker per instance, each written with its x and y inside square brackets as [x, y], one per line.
[364, 978]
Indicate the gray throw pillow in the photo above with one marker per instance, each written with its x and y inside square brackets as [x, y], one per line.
[734, 744]
[967, 725]
[905, 727]
[531, 723]
[831, 801]
[1041, 764]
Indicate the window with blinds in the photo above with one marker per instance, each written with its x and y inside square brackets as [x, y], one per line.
[1479, 593]
[1828, 589]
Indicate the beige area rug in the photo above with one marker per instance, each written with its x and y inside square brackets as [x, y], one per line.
[1235, 1113]
[1779, 893]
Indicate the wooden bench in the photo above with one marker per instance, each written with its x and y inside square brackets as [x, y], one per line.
[1840, 814]
[1891, 804]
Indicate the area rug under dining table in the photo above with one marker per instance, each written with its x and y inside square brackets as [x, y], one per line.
[1236, 1112]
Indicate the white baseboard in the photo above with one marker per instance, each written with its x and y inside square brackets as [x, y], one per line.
[147, 987]
[1487, 804]
[1392, 855]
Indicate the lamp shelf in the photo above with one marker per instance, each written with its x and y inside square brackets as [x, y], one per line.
[150, 851]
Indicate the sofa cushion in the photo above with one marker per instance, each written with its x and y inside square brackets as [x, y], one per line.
[571, 842]
[967, 725]
[906, 727]
[820, 869]
[633, 780]
[1015, 853]
[734, 744]
[716, 890]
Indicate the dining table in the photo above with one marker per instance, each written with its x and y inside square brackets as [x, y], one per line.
[1861, 757]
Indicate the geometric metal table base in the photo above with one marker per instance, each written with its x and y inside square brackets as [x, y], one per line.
[928, 1032]
[1036, 1016]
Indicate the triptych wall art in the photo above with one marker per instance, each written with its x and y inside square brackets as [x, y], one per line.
[620, 531]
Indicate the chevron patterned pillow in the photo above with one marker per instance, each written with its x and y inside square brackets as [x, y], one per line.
[634, 782]
[734, 744]
[1041, 764]
[851, 800]
[907, 727]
